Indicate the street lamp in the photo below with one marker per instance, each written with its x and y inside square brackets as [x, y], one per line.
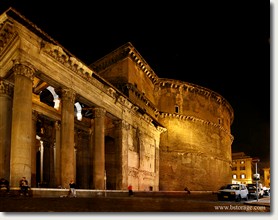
[256, 176]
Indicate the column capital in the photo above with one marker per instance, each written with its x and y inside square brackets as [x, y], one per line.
[99, 112]
[6, 88]
[24, 69]
[69, 95]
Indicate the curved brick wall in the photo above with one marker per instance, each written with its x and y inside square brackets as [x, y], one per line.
[195, 151]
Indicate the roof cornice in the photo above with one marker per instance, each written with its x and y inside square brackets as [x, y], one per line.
[17, 16]
[196, 89]
[125, 51]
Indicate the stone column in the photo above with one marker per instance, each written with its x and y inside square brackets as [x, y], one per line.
[99, 148]
[46, 162]
[34, 149]
[57, 155]
[157, 156]
[124, 130]
[52, 182]
[67, 137]
[41, 161]
[82, 160]
[119, 156]
[91, 155]
[85, 158]
[21, 137]
[52, 179]
[156, 166]
[5, 128]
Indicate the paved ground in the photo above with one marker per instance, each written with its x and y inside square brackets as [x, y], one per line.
[265, 201]
[189, 203]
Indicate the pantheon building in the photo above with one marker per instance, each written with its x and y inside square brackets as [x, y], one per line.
[106, 125]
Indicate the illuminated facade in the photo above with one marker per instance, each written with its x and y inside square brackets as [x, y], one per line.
[266, 177]
[242, 171]
[114, 122]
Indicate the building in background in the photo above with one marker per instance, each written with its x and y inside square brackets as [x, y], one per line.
[242, 168]
[266, 172]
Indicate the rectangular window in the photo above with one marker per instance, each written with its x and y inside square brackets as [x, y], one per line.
[219, 121]
[176, 109]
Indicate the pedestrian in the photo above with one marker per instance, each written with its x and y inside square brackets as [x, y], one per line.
[187, 190]
[130, 192]
[72, 186]
[23, 183]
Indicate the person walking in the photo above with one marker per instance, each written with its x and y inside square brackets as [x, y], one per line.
[130, 191]
[72, 186]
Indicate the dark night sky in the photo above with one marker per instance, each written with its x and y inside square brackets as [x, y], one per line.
[221, 46]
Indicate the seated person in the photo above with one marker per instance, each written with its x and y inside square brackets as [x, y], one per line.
[4, 184]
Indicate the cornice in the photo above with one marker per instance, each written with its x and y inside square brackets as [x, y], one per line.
[14, 15]
[140, 96]
[111, 58]
[195, 119]
[196, 89]
[58, 53]
[125, 51]
[7, 33]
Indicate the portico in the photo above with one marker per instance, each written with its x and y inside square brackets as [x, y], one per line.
[46, 136]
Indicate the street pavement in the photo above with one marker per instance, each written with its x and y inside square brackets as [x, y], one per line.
[190, 203]
[265, 201]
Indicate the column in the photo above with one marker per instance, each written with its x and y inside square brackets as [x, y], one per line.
[156, 168]
[20, 164]
[57, 155]
[34, 148]
[85, 158]
[41, 161]
[46, 162]
[99, 149]
[119, 156]
[52, 179]
[5, 128]
[91, 151]
[122, 129]
[81, 146]
[67, 137]
[52, 183]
